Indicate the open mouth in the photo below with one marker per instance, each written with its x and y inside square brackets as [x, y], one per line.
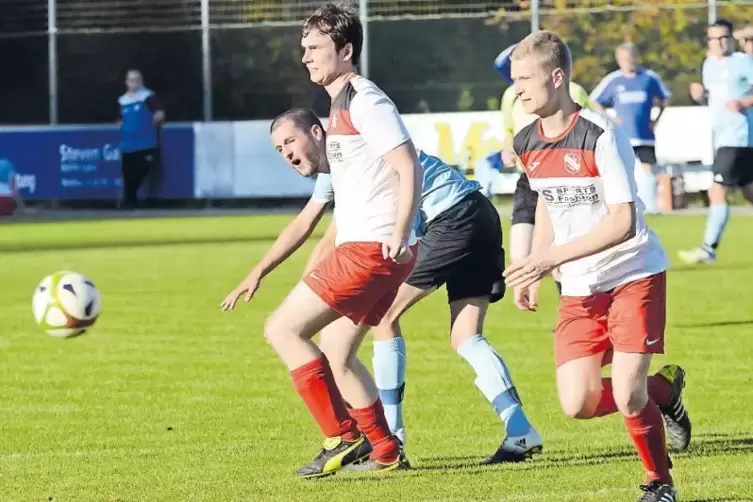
[296, 162]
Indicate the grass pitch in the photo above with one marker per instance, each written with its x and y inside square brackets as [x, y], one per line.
[169, 399]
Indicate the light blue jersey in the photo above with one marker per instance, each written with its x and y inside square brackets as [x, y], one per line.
[726, 79]
[442, 188]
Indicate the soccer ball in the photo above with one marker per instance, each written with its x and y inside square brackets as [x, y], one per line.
[66, 304]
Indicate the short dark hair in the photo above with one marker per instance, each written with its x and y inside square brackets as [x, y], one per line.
[722, 23]
[341, 23]
[303, 118]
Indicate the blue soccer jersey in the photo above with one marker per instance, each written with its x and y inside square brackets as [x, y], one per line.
[137, 130]
[632, 98]
[727, 79]
[442, 188]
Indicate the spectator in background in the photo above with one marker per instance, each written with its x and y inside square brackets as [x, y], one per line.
[9, 194]
[744, 37]
[632, 91]
[141, 118]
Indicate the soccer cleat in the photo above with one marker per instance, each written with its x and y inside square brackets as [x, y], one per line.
[516, 449]
[401, 464]
[697, 256]
[336, 454]
[675, 416]
[656, 491]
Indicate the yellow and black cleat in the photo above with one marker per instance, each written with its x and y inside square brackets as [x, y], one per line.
[336, 454]
[370, 465]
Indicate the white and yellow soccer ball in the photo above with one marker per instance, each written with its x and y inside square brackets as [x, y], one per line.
[66, 304]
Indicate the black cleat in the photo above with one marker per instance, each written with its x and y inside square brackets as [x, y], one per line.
[656, 491]
[401, 464]
[516, 449]
[336, 454]
[675, 416]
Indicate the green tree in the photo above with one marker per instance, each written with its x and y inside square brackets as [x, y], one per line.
[668, 33]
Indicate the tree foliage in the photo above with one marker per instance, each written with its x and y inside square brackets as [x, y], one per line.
[668, 33]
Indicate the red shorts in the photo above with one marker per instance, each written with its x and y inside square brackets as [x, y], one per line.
[629, 318]
[356, 282]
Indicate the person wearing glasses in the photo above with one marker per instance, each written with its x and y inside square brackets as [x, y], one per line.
[727, 90]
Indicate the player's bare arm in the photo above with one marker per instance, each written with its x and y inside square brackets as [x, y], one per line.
[617, 227]
[290, 239]
[324, 246]
[698, 93]
[404, 160]
[526, 297]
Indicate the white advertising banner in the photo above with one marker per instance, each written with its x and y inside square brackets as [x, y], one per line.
[236, 159]
[259, 169]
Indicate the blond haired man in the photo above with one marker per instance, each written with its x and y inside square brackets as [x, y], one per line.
[612, 266]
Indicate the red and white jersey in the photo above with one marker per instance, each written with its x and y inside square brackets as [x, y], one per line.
[578, 175]
[364, 125]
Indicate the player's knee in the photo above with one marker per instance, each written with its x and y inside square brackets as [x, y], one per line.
[580, 405]
[388, 328]
[458, 338]
[630, 402]
[717, 194]
[275, 330]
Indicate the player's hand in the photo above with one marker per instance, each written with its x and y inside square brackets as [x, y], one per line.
[528, 271]
[249, 286]
[735, 106]
[527, 299]
[397, 250]
[697, 91]
[509, 157]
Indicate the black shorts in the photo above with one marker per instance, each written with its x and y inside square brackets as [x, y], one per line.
[733, 166]
[462, 248]
[646, 154]
[524, 202]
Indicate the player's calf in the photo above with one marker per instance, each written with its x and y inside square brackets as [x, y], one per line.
[493, 379]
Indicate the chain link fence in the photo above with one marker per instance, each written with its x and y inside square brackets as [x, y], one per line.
[240, 59]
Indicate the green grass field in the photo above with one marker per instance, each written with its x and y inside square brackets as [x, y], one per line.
[170, 399]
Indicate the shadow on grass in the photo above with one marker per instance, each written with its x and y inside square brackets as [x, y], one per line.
[75, 245]
[708, 268]
[711, 445]
[714, 324]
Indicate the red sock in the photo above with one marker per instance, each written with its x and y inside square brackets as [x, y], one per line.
[647, 431]
[607, 406]
[659, 390]
[316, 386]
[372, 422]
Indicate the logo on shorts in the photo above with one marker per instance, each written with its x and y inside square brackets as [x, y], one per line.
[651, 342]
[572, 163]
[718, 178]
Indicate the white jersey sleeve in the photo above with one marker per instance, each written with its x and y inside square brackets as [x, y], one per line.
[615, 162]
[378, 122]
[324, 192]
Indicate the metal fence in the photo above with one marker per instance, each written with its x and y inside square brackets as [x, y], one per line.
[54, 19]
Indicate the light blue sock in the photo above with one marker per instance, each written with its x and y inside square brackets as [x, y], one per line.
[494, 381]
[389, 374]
[646, 189]
[715, 224]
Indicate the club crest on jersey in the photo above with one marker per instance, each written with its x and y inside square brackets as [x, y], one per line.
[572, 163]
